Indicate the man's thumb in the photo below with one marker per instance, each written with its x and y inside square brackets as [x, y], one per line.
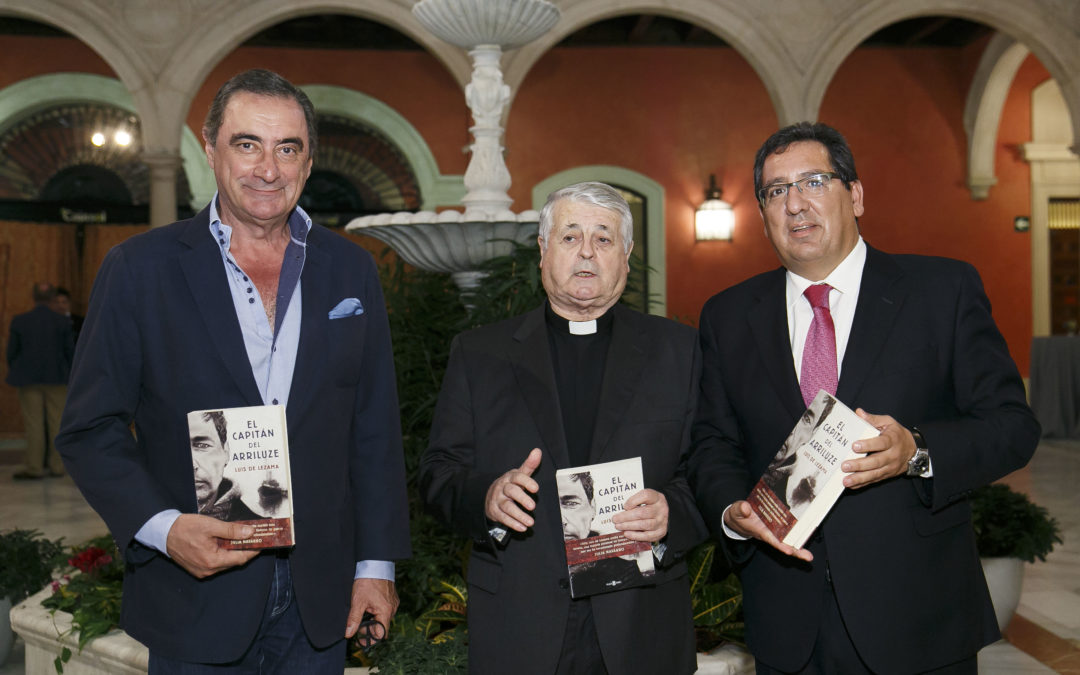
[532, 461]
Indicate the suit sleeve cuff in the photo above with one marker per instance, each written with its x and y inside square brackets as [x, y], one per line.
[375, 569]
[728, 532]
[155, 532]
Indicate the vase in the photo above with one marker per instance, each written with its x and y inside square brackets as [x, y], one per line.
[1004, 578]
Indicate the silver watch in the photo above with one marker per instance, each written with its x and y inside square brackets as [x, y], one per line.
[919, 464]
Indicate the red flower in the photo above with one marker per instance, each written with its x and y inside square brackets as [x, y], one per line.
[90, 559]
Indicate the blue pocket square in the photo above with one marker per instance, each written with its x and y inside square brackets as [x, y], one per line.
[347, 307]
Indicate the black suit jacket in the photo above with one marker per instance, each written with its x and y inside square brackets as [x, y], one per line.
[924, 349]
[498, 401]
[161, 339]
[39, 349]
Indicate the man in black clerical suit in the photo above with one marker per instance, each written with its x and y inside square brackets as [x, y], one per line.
[891, 581]
[581, 380]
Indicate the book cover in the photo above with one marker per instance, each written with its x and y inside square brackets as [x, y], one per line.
[598, 557]
[240, 458]
[804, 479]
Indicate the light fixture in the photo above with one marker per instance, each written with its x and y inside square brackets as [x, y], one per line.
[98, 139]
[715, 219]
[122, 138]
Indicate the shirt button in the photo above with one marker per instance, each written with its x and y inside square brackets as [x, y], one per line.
[251, 301]
[275, 401]
[221, 241]
[249, 289]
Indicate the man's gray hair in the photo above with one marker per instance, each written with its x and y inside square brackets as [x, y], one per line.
[597, 194]
[262, 83]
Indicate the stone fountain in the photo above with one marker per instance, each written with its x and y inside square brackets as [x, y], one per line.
[458, 242]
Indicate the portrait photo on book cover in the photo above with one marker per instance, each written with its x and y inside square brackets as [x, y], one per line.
[221, 491]
[580, 522]
[794, 482]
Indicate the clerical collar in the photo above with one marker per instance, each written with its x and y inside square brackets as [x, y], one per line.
[599, 325]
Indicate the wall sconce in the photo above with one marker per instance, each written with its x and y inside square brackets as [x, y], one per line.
[715, 219]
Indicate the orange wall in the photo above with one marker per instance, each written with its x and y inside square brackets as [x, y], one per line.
[678, 114]
[23, 57]
[413, 83]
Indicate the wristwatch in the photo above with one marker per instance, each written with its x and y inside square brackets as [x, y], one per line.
[919, 464]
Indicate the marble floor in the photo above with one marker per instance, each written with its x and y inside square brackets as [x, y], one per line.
[1043, 638]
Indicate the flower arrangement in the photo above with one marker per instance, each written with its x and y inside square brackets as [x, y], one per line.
[90, 591]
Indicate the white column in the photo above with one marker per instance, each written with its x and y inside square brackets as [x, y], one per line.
[164, 165]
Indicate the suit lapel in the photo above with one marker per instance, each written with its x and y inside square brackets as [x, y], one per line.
[880, 300]
[315, 288]
[768, 323]
[205, 275]
[530, 357]
[622, 373]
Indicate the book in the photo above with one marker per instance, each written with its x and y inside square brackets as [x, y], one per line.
[599, 559]
[240, 459]
[804, 479]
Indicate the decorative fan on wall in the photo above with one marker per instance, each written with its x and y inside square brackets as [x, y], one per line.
[82, 153]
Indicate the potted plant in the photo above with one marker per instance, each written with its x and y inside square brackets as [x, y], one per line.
[1009, 530]
[27, 563]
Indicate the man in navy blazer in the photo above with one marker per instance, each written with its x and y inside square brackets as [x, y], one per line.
[39, 351]
[890, 582]
[248, 303]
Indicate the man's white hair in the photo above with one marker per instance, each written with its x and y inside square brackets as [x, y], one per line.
[597, 194]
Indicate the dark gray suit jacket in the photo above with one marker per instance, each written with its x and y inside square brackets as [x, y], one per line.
[924, 349]
[499, 401]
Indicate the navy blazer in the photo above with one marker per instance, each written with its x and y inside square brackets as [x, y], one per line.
[161, 338]
[924, 349]
[39, 349]
[498, 401]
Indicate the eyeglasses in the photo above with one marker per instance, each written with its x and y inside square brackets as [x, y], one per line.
[370, 632]
[811, 186]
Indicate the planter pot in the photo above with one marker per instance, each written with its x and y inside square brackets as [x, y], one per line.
[113, 654]
[726, 660]
[7, 638]
[1004, 577]
[119, 654]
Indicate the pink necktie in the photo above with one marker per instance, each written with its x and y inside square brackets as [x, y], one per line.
[819, 353]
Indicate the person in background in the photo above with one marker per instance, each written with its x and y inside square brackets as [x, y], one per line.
[39, 352]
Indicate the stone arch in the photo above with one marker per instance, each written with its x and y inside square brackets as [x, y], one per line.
[120, 45]
[232, 23]
[985, 102]
[733, 21]
[435, 188]
[1048, 38]
[654, 220]
[22, 98]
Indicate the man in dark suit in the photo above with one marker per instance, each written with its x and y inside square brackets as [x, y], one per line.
[248, 303]
[891, 581]
[581, 380]
[39, 351]
[62, 305]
